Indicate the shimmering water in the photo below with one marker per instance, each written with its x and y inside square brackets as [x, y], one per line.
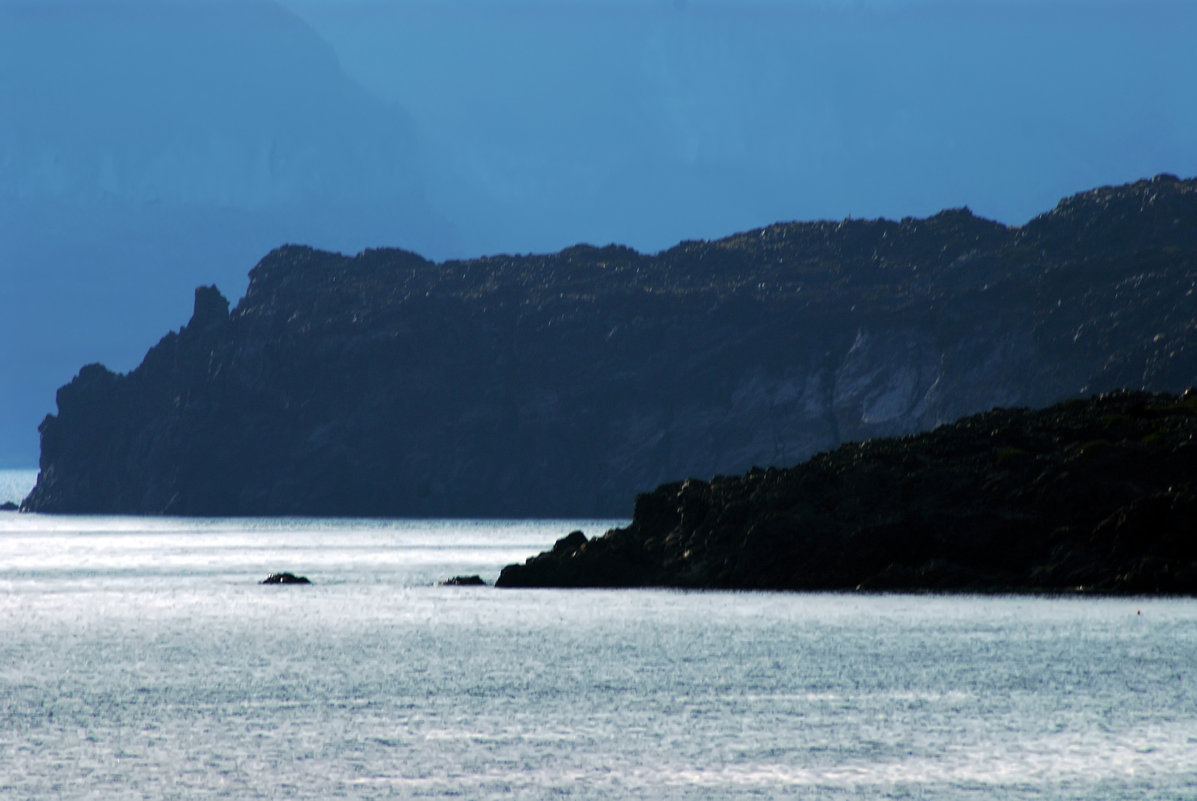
[140, 659]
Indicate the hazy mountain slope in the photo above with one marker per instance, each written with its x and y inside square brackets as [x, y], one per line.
[147, 146]
[561, 385]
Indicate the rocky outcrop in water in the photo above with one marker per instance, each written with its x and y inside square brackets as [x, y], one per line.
[285, 578]
[463, 581]
[561, 385]
[1090, 496]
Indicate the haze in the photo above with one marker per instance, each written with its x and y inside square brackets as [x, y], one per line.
[149, 146]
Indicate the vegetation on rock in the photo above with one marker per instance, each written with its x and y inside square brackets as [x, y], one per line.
[1094, 495]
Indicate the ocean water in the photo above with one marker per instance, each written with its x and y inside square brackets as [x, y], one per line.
[139, 658]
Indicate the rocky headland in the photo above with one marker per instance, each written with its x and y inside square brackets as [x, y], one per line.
[561, 385]
[1095, 495]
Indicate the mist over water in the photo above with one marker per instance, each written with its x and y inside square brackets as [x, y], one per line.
[142, 659]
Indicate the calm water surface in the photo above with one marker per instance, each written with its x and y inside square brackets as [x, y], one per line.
[139, 658]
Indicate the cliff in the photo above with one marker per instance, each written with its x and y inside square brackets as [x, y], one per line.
[545, 385]
[1097, 495]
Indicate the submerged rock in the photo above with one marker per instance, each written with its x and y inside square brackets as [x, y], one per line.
[1098, 495]
[284, 578]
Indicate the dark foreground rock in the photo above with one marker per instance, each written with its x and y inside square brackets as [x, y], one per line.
[1093, 496]
[464, 581]
[560, 385]
[284, 578]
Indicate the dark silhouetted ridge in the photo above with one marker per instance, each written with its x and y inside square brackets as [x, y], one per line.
[562, 384]
[1094, 495]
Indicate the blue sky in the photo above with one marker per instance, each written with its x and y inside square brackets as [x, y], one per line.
[150, 146]
[717, 116]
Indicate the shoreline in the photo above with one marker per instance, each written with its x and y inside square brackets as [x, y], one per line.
[1097, 494]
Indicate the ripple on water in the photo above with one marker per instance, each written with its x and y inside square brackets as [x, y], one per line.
[160, 668]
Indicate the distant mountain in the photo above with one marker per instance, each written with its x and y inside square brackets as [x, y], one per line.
[563, 384]
[192, 103]
[1093, 495]
[147, 146]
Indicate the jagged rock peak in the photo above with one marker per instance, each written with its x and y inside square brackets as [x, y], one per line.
[211, 308]
[286, 260]
[1142, 193]
[292, 270]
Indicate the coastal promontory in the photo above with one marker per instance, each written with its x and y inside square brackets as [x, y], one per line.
[384, 384]
[1096, 495]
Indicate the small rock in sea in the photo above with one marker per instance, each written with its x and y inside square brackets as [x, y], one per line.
[285, 578]
[464, 581]
[8, 506]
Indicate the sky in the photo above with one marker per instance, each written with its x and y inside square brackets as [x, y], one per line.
[150, 146]
[650, 122]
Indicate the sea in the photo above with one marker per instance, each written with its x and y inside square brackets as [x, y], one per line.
[140, 658]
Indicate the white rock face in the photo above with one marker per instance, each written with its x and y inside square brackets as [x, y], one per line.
[884, 378]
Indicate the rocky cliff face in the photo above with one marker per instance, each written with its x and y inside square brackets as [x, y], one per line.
[1093, 495]
[385, 384]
